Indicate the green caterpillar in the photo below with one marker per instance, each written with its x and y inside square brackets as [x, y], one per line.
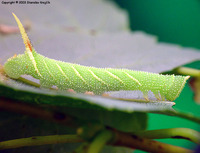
[82, 78]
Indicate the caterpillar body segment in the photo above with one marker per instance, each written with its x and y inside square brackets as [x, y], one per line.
[83, 79]
[177, 87]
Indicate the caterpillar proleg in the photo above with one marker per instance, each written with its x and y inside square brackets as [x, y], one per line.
[89, 79]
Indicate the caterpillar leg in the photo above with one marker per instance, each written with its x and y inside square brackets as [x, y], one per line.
[92, 93]
[157, 95]
[163, 97]
[105, 95]
[44, 84]
[71, 91]
[145, 95]
[15, 55]
[1, 69]
[89, 93]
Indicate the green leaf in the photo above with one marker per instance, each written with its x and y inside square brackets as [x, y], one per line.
[19, 91]
[123, 115]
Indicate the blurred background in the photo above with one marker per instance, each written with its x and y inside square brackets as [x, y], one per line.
[174, 21]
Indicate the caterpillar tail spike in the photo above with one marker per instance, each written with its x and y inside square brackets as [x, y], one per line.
[66, 76]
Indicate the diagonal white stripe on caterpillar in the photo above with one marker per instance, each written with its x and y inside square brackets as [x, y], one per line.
[90, 79]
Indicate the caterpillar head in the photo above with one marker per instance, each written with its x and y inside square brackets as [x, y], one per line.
[14, 67]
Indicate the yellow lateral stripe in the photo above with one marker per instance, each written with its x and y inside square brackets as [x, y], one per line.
[23, 33]
[134, 79]
[114, 76]
[62, 71]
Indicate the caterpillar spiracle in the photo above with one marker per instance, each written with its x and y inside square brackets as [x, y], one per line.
[83, 78]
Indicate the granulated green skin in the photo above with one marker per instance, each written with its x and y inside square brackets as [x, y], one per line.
[82, 78]
[98, 80]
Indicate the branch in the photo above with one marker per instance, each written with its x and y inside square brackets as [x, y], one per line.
[187, 116]
[135, 142]
[179, 133]
[120, 138]
[39, 140]
[83, 148]
[37, 112]
[116, 138]
[100, 141]
[188, 71]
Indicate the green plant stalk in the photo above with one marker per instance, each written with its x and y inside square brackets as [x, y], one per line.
[89, 130]
[187, 116]
[180, 133]
[136, 142]
[39, 140]
[82, 148]
[100, 141]
[188, 71]
[115, 138]
[38, 112]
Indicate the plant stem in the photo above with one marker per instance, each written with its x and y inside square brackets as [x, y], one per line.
[100, 141]
[135, 142]
[82, 148]
[38, 112]
[39, 140]
[121, 139]
[187, 116]
[180, 133]
[188, 71]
